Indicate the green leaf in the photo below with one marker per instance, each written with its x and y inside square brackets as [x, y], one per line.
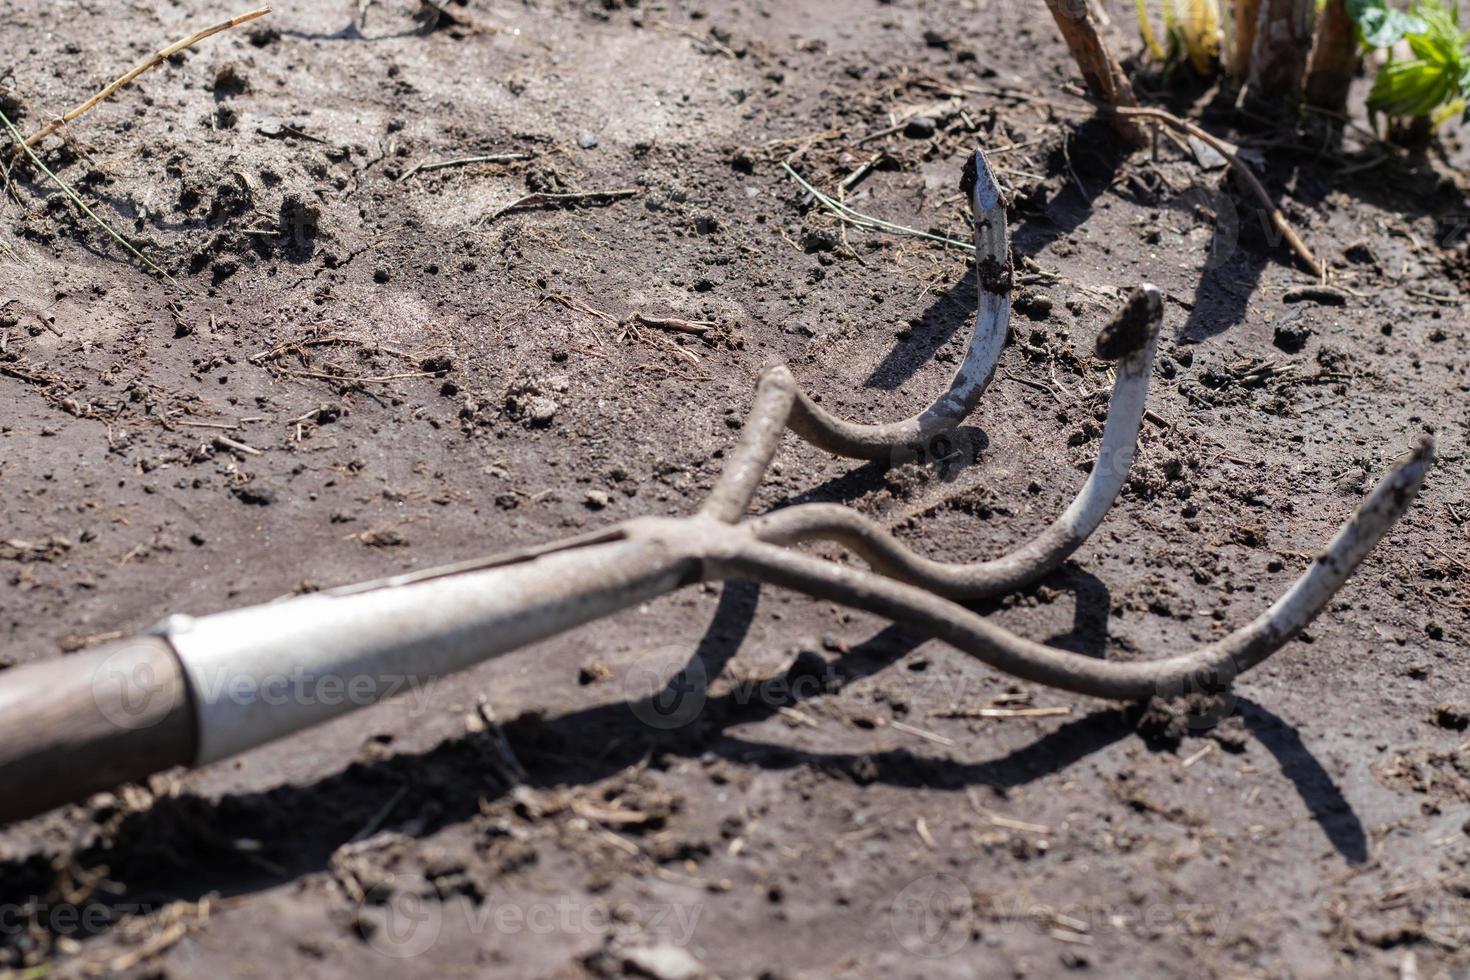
[1440, 41]
[1412, 88]
[1381, 26]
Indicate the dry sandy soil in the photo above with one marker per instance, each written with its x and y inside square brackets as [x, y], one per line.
[427, 379]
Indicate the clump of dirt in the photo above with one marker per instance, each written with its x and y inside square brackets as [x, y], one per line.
[1441, 776]
[1164, 723]
[1130, 327]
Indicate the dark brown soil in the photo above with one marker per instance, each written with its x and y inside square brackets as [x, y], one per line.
[429, 379]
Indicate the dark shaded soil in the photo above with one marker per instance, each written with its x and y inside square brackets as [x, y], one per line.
[427, 379]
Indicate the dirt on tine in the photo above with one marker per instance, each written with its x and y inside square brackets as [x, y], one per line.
[464, 278]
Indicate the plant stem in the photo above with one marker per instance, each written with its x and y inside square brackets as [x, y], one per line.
[1334, 59]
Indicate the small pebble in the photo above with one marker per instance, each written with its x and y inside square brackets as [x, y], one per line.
[1453, 716]
[1035, 306]
[920, 128]
[542, 410]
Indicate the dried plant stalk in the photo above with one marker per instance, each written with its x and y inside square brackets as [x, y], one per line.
[1100, 70]
[1247, 15]
[1334, 59]
[1279, 54]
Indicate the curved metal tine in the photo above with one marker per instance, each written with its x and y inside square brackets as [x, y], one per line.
[994, 275]
[1132, 335]
[1209, 668]
[759, 437]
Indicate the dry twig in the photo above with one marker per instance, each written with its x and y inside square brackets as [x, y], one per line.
[156, 59]
[1104, 76]
[1237, 166]
[423, 168]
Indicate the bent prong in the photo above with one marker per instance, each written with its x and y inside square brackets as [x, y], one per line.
[759, 438]
[992, 318]
[1140, 318]
[1215, 665]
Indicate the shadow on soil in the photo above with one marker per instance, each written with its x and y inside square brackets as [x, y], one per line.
[186, 847]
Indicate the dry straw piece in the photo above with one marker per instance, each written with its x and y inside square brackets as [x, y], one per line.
[156, 59]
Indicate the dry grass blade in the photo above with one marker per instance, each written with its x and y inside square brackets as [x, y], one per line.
[866, 221]
[156, 59]
[76, 199]
[423, 168]
[678, 325]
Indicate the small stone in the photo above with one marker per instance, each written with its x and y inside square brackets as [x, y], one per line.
[663, 962]
[255, 494]
[820, 240]
[597, 499]
[1231, 734]
[1291, 337]
[920, 128]
[1453, 716]
[592, 672]
[1073, 960]
[586, 139]
[1320, 295]
[541, 410]
[1035, 306]
[230, 79]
